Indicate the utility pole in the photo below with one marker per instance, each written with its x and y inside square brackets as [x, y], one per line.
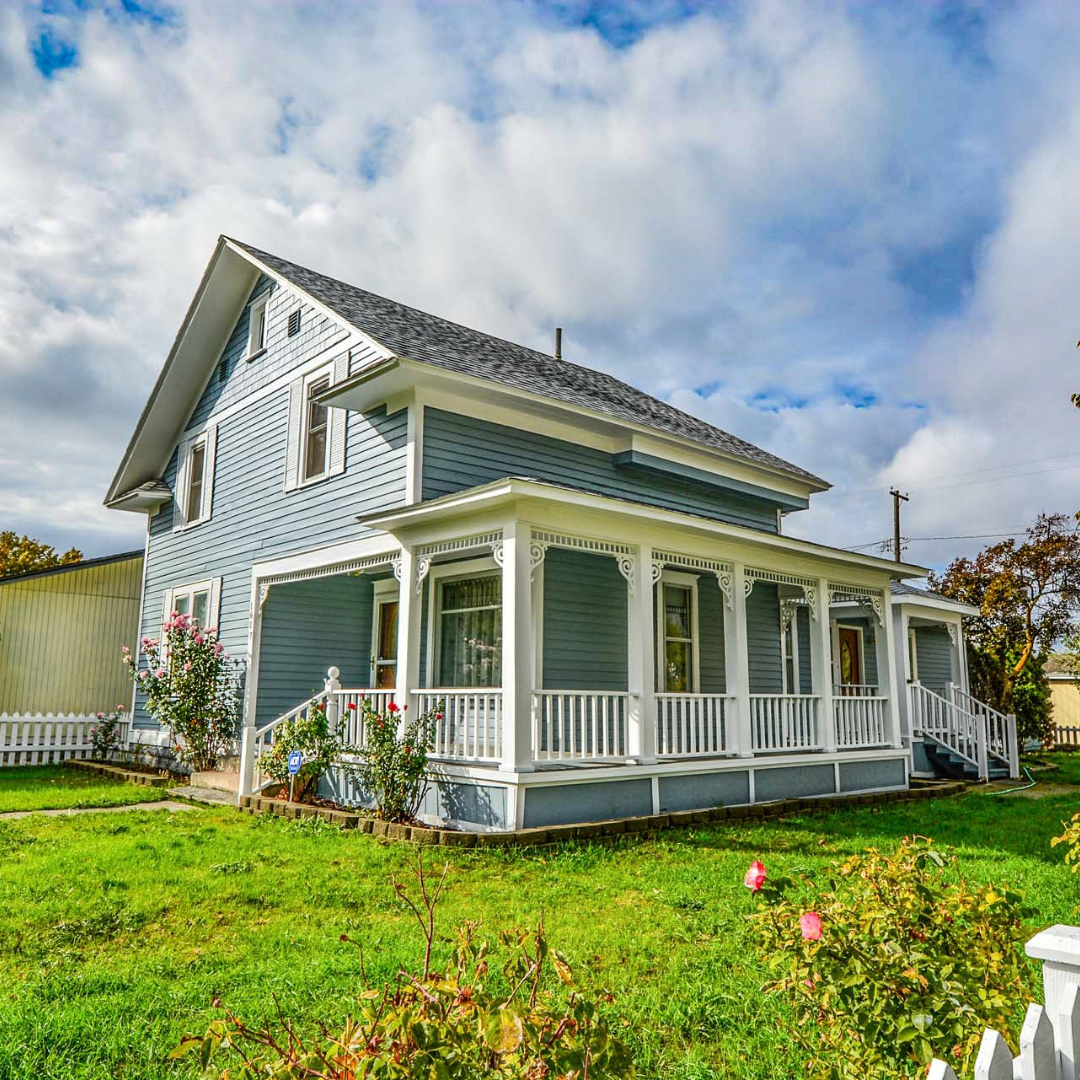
[897, 500]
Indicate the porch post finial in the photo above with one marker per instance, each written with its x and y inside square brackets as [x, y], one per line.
[332, 686]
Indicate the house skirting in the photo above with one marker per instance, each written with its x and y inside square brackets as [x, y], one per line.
[486, 799]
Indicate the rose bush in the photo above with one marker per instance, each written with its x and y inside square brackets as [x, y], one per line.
[191, 687]
[892, 960]
[310, 734]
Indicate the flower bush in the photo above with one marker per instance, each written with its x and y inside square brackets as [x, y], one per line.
[191, 687]
[1070, 837]
[461, 1023]
[393, 759]
[105, 734]
[310, 734]
[892, 960]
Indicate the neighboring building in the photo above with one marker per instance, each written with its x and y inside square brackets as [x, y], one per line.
[594, 584]
[1064, 693]
[61, 632]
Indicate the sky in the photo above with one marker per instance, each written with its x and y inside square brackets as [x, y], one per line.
[847, 233]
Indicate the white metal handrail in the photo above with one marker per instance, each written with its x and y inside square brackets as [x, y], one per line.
[580, 724]
[692, 725]
[467, 721]
[946, 723]
[1000, 728]
[784, 722]
[860, 721]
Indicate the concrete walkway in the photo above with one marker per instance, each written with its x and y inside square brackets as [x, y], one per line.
[162, 804]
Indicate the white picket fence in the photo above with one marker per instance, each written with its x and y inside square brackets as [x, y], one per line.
[1050, 1037]
[45, 739]
[1065, 736]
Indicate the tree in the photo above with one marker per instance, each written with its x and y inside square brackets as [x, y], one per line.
[1028, 596]
[21, 555]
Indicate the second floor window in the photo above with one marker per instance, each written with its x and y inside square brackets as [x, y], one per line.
[196, 482]
[257, 326]
[315, 439]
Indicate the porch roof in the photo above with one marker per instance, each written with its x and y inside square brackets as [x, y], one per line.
[903, 593]
[511, 489]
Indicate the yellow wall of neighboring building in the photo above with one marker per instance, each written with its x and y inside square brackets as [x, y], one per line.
[1065, 697]
[61, 634]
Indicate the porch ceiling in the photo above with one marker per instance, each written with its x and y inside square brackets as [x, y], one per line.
[536, 501]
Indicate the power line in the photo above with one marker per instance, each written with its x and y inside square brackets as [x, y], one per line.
[920, 539]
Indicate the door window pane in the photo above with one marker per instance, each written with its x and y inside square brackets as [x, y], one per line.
[386, 646]
[678, 639]
[470, 632]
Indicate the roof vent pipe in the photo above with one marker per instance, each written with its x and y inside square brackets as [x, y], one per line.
[558, 342]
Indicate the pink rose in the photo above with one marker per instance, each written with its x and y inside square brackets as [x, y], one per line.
[161, 673]
[143, 675]
[124, 649]
[199, 639]
[187, 666]
[100, 716]
[755, 876]
[810, 925]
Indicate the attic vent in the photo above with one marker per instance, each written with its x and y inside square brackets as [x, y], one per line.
[223, 370]
[294, 323]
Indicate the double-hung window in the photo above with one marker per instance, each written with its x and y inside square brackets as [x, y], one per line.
[678, 637]
[468, 633]
[316, 430]
[194, 491]
[200, 600]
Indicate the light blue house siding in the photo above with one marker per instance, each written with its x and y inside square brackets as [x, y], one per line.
[763, 639]
[253, 517]
[461, 452]
[933, 654]
[307, 626]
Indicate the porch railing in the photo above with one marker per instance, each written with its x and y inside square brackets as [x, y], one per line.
[781, 722]
[692, 725]
[573, 725]
[351, 725]
[1001, 741]
[468, 722]
[258, 743]
[946, 723]
[859, 713]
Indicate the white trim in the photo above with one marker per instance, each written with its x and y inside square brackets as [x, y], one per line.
[682, 581]
[332, 555]
[538, 624]
[207, 440]
[414, 451]
[791, 627]
[259, 307]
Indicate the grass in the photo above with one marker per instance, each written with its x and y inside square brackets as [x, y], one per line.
[54, 787]
[118, 931]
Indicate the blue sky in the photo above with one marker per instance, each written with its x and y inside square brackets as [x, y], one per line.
[844, 232]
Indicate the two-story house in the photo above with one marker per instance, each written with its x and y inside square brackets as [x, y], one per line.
[595, 585]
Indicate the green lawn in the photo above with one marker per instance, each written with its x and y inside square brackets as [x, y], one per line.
[118, 931]
[54, 787]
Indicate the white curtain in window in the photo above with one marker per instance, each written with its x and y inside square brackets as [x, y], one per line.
[470, 632]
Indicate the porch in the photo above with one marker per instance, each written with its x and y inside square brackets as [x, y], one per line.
[606, 655]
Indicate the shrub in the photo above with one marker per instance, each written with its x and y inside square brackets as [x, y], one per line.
[105, 734]
[393, 760]
[1070, 836]
[192, 688]
[457, 1024]
[895, 960]
[310, 734]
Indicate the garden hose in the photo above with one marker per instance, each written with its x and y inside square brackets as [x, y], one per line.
[1022, 787]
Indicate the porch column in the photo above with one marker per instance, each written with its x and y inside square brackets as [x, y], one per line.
[737, 665]
[902, 686]
[822, 665]
[247, 735]
[518, 649]
[410, 605]
[888, 679]
[641, 660]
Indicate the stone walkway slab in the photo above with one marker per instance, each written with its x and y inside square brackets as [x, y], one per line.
[162, 804]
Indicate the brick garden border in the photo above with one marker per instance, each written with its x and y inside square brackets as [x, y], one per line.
[596, 830]
[118, 772]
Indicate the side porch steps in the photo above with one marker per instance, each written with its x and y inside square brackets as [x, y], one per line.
[951, 765]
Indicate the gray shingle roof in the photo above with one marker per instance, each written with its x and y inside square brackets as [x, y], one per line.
[414, 334]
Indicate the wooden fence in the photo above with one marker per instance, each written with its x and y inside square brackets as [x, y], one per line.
[1065, 736]
[46, 739]
[1050, 1037]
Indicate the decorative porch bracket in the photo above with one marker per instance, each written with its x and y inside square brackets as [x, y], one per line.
[426, 553]
[722, 570]
[808, 586]
[867, 597]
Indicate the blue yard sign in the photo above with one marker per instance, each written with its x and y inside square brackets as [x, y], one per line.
[296, 759]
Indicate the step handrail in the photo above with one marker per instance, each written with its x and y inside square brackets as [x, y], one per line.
[940, 719]
[1000, 727]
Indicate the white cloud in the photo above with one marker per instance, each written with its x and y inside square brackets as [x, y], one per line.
[752, 204]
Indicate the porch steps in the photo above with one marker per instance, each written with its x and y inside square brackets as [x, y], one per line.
[953, 766]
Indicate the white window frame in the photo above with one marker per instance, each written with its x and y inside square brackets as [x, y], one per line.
[793, 628]
[683, 581]
[324, 372]
[210, 586]
[207, 440]
[259, 308]
[483, 567]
